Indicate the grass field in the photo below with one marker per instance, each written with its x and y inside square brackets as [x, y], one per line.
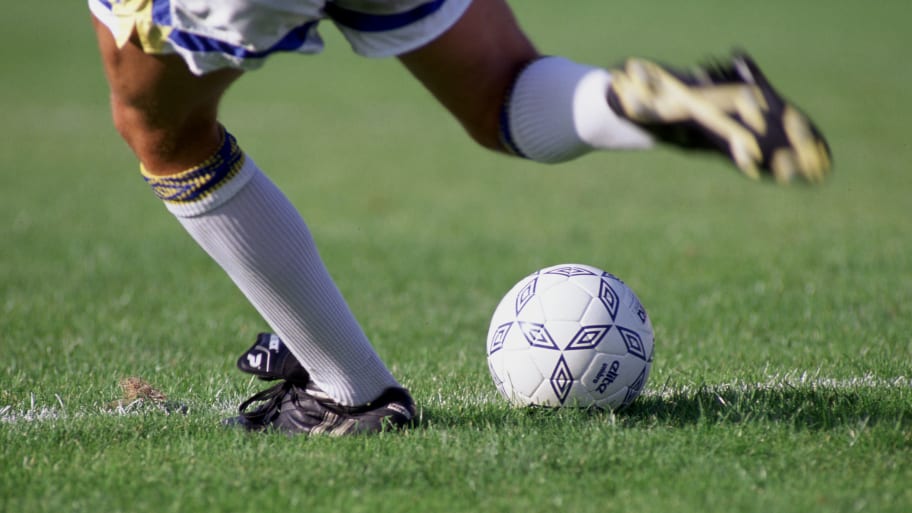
[783, 372]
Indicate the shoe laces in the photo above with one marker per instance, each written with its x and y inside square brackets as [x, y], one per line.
[271, 398]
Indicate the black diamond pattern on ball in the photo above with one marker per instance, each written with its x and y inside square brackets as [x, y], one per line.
[634, 389]
[571, 270]
[522, 299]
[633, 342]
[641, 312]
[561, 380]
[609, 298]
[499, 336]
[588, 337]
[537, 335]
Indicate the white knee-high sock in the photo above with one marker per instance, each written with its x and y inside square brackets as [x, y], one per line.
[558, 110]
[248, 226]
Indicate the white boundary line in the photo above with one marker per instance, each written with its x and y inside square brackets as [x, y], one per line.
[224, 405]
[36, 413]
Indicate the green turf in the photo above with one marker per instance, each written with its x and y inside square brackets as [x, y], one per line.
[783, 315]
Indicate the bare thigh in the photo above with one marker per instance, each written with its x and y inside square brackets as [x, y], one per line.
[166, 114]
[471, 67]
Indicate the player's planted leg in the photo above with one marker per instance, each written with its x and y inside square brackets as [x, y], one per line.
[168, 116]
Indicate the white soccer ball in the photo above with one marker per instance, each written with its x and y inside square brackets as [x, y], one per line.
[570, 335]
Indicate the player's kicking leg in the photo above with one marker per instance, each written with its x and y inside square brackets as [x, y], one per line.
[168, 116]
[550, 109]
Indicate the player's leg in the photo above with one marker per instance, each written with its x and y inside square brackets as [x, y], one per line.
[553, 109]
[510, 98]
[168, 116]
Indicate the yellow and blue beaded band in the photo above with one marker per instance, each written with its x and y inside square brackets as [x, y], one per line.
[208, 185]
[198, 182]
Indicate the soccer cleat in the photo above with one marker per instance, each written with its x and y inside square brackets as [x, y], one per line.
[297, 405]
[270, 359]
[294, 408]
[731, 108]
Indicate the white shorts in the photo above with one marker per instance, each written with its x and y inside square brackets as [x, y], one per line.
[213, 34]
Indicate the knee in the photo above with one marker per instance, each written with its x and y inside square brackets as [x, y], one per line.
[165, 143]
[132, 122]
[167, 115]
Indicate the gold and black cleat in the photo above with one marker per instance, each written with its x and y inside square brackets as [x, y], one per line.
[730, 108]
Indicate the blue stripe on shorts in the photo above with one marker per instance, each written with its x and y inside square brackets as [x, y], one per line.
[161, 12]
[365, 22]
[295, 39]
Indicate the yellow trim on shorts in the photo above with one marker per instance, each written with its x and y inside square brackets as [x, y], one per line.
[135, 16]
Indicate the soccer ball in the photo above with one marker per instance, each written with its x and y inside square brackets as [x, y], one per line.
[570, 335]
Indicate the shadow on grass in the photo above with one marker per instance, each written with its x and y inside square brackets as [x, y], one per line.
[811, 408]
